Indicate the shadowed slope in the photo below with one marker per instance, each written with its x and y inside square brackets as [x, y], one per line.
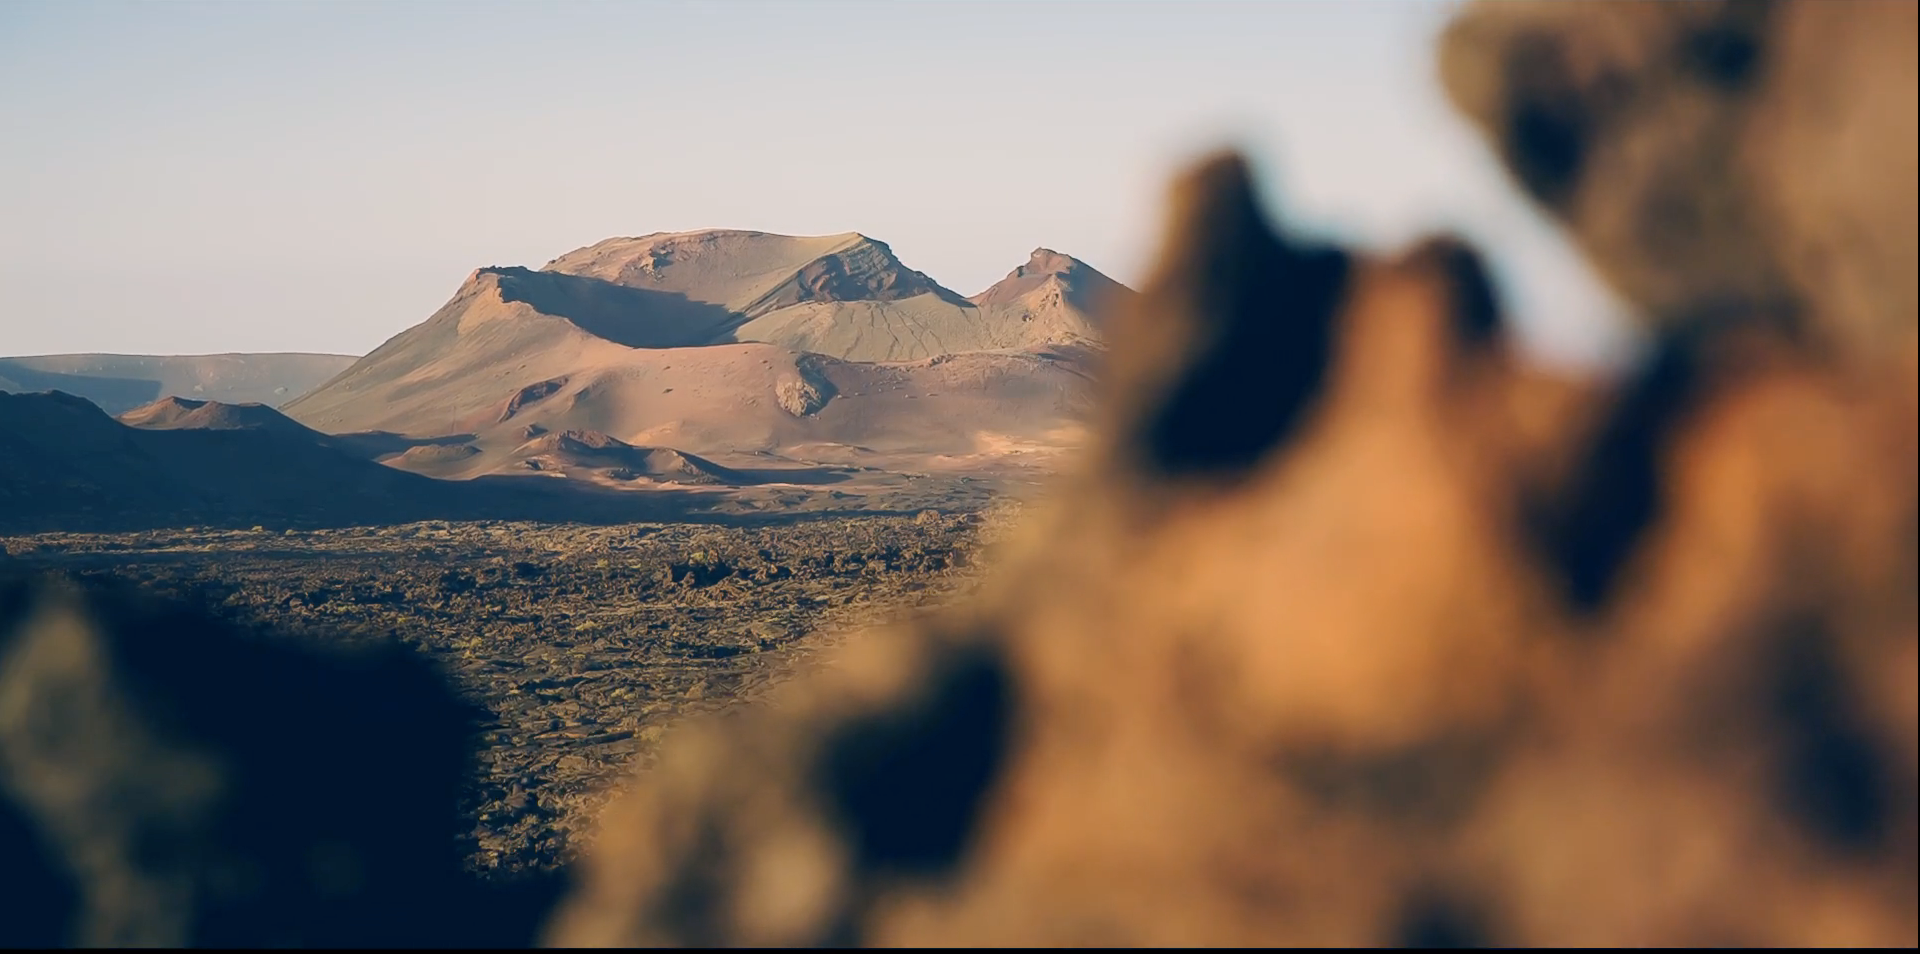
[66, 465]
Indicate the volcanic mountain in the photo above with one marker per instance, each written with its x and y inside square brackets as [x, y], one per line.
[727, 342]
[119, 382]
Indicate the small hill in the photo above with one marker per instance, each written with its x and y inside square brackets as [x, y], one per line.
[175, 413]
[428, 458]
[589, 451]
[1060, 295]
[121, 382]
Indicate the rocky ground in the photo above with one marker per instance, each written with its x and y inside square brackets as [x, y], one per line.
[582, 643]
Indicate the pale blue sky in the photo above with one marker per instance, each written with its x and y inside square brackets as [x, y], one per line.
[193, 177]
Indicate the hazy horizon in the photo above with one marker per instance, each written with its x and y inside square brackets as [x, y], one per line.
[197, 178]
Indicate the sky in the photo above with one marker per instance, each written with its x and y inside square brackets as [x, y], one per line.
[182, 177]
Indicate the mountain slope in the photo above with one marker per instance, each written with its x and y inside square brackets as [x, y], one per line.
[505, 329]
[747, 398]
[906, 330]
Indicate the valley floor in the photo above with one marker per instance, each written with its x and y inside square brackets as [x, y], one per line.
[582, 643]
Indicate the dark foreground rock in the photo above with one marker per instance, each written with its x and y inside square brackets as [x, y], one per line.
[167, 779]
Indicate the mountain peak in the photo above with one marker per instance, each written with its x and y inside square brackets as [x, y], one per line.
[1049, 262]
[1042, 266]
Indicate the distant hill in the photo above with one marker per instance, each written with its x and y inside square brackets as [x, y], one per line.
[121, 382]
[178, 413]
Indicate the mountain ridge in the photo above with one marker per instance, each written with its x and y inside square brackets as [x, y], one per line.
[122, 382]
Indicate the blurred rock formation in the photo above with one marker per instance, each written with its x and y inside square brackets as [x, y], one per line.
[1354, 629]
